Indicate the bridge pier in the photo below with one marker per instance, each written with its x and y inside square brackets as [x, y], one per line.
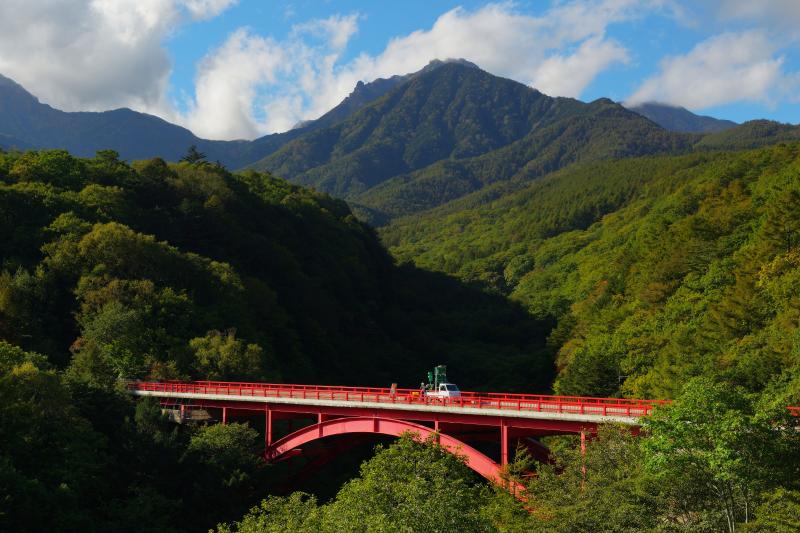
[267, 427]
[224, 415]
[503, 443]
[583, 458]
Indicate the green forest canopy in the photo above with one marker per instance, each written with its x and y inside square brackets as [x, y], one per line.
[657, 269]
[653, 271]
[188, 270]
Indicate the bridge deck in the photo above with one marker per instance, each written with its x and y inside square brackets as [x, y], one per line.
[519, 406]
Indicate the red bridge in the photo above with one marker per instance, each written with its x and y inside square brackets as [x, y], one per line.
[504, 419]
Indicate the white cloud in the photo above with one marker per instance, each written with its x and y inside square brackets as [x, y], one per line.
[226, 85]
[95, 54]
[560, 53]
[567, 75]
[252, 84]
[207, 9]
[100, 54]
[731, 67]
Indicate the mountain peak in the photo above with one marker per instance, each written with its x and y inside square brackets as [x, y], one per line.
[11, 87]
[437, 63]
[8, 82]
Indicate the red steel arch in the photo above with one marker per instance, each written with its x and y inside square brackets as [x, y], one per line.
[476, 460]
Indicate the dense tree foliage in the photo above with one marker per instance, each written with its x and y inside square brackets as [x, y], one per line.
[410, 486]
[188, 270]
[77, 457]
[715, 450]
[714, 460]
[110, 270]
[660, 276]
[657, 269]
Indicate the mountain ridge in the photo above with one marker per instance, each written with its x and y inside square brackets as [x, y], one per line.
[28, 123]
[453, 130]
[400, 145]
[680, 119]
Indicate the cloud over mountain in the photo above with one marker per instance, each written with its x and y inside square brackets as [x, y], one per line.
[266, 77]
[726, 68]
[560, 53]
[95, 55]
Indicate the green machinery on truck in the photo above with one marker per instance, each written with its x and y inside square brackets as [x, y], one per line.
[438, 386]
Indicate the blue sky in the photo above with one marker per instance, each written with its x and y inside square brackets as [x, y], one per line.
[238, 69]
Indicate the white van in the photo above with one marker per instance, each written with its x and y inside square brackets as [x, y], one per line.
[445, 390]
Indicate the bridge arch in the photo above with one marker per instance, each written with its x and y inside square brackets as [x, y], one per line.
[475, 460]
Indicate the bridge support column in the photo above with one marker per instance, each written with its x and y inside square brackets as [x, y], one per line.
[320, 419]
[583, 458]
[224, 415]
[503, 443]
[267, 426]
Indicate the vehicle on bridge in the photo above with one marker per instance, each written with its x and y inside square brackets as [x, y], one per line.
[438, 386]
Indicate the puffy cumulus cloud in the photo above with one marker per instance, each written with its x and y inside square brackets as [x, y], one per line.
[95, 54]
[560, 52]
[567, 75]
[726, 68]
[252, 84]
[226, 85]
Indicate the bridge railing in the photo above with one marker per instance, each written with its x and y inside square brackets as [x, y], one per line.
[507, 402]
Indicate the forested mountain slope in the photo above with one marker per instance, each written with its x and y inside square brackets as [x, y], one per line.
[453, 129]
[752, 134]
[405, 144]
[7, 142]
[454, 111]
[135, 135]
[146, 270]
[602, 130]
[26, 123]
[657, 269]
